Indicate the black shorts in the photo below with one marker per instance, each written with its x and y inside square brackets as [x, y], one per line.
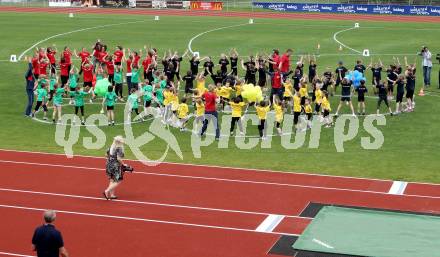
[287, 98]
[303, 100]
[345, 99]
[296, 117]
[382, 99]
[399, 97]
[110, 108]
[361, 98]
[309, 116]
[409, 93]
[326, 113]
[64, 80]
[88, 84]
[40, 104]
[147, 103]
[338, 81]
[118, 63]
[188, 89]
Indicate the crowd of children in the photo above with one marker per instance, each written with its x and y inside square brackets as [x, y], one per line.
[154, 83]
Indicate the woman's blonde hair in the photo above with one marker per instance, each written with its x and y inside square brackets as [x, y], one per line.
[118, 142]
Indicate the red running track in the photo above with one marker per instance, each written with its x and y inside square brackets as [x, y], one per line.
[175, 210]
[262, 14]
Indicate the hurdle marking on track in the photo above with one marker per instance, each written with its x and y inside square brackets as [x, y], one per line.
[16, 254]
[398, 188]
[270, 223]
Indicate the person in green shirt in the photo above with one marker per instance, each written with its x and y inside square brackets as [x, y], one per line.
[133, 101]
[159, 95]
[41, 100]
[135, 77]
[147, 92]
[118, 82]
[78, 96]
[58, 101]
[73, 82]
[109, 101]
[53, 80]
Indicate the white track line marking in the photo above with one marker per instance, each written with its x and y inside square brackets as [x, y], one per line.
[141, 219]
[74, 31]
[398, 188]
[322, 243]
[145, 203]
[269, 223]
[211, 30]
[342, 44]
[225, 180]
[16, 254]
[213, 166]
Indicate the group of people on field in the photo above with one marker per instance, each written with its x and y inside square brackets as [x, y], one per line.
[155, 82]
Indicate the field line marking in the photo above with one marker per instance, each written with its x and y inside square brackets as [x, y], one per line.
[74, 31]
[146, 203]
[140, 219]
[225, 180]
[269, 223]
[322, 243]
[342, 44]
[398, 188]
[211, 30]
[212, 166]
[16, 254]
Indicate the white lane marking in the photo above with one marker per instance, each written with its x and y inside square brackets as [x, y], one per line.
[145, 203]
[212, 166]
[398, 188]
[322, 243]
[224, 179]
[342, 44]
[16, 254]
[74, 31]
[211, 30]
[141, 219]
[269, 223]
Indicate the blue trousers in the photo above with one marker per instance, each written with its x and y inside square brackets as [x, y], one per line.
[211, 116]
[427, 75]
[30, 97]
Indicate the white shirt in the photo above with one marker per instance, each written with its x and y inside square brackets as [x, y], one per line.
[427, 58]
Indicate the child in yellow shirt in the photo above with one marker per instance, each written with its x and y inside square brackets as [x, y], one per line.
[237, 109]
[279, 115]
[262, 110]
[182, 114]
[199, 113]
[288, 93]
[296, 108]
[326, 110]
[303, 93]
[318, 97]
[168, 95]
[308, 110]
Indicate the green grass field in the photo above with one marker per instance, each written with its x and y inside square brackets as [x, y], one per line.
[410, 149]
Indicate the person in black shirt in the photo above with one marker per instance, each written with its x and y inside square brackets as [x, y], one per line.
[194, 64]
[391, 80]
[223, 62]
[189, 83]
[251, 71]
[376, 69]
[312, 69]
[261, 66]
[176, 60]
[340, 73]
[300, 65]
[400, 92]
[169, 72]
[383, 96]
[346, 88]
[359, 66]
[234, 62]
[361, 91]
[217, 77]
[47, 241]
[296, 77]
[410, 87]
[208, 65]
[327, 80]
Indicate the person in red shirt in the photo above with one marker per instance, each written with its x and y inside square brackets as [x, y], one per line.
[96, 50]
[43, 66]
[36, 66]
[284, 65]
[109, 63]
[88, 74]
[51, 52]
[67, 55]
[41, 53]
[274, 60]
[128, 75]
[211, 100]
[147, 63]
[103, 54]
[277, 84]
[118, 55]
[84, 55]
[64, 71]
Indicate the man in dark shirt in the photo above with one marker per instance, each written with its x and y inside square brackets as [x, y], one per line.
[346, 89]
[30, 80]
[382, 93]
[360, 67]
[47, 240]
[194, 65]
[340, 73]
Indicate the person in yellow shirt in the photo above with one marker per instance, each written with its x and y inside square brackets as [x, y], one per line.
[318, 96]
[309, 112]
[199, 113]
[237, 110]
[279, 114]
[262, 110]
[326, 110]
[296, 108]
[225, 91]
[288, 93]
[168, 95]
[182, 114]
[303, 93]
[238, 87]
[200, 86]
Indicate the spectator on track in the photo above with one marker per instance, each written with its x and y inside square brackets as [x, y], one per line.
[47, 240]
[114, 167]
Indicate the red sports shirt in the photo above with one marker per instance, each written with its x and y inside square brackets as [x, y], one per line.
[88, 73]
[43, 68]
[210, 98]
[285, 63]
[119, 54]
[51, 57]
[35, 66]
[276, 80]
[64, 68]
[84, 55]
[110, 68]
[67, 56]
[129, 61]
